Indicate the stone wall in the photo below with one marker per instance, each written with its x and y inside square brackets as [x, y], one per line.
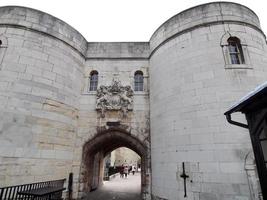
[124, 156]
[119, 63]
[47, 113]
[49, 124]
[40, 85]
[187, 106]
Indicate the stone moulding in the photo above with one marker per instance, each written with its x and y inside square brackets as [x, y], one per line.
[114, 98]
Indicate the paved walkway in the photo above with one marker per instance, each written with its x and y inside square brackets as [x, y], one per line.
[119, 189]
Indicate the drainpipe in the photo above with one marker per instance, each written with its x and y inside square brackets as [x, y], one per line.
[228, 117]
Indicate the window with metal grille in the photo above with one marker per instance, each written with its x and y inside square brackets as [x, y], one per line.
[138, 81]
[235, 51]
[93, 81]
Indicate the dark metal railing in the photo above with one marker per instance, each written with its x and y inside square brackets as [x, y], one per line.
[11, 192]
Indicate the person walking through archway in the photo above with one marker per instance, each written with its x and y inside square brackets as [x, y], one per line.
[121, 171]
[133, 169]
[125, 171]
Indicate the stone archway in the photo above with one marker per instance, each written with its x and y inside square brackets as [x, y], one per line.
[99, 146]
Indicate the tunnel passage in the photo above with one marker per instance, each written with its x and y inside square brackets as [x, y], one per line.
[95, 150]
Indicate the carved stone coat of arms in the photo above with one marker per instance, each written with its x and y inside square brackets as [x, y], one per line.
[114, 97]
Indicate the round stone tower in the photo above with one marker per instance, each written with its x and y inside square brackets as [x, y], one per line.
[40, 82]
[201, 61]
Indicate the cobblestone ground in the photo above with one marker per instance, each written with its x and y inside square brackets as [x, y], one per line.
[119, 189]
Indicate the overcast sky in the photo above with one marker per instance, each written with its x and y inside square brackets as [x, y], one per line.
[122, 20]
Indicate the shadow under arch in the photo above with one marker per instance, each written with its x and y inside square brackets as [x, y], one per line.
[95, 149]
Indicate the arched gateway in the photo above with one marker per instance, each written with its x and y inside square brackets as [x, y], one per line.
[103, 143]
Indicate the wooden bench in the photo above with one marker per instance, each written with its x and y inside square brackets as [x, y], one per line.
[41, 190]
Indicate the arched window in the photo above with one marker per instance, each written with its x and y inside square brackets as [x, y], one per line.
[235, 51]
[93, 81]
[138, 81]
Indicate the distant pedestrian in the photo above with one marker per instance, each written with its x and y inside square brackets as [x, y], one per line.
[133, 169]
[129, 170]
[125, 171]
[121, 171]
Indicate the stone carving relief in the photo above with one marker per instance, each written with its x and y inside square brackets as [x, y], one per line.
[114, 97]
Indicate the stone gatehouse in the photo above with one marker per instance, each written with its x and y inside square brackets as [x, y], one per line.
[65, 103]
